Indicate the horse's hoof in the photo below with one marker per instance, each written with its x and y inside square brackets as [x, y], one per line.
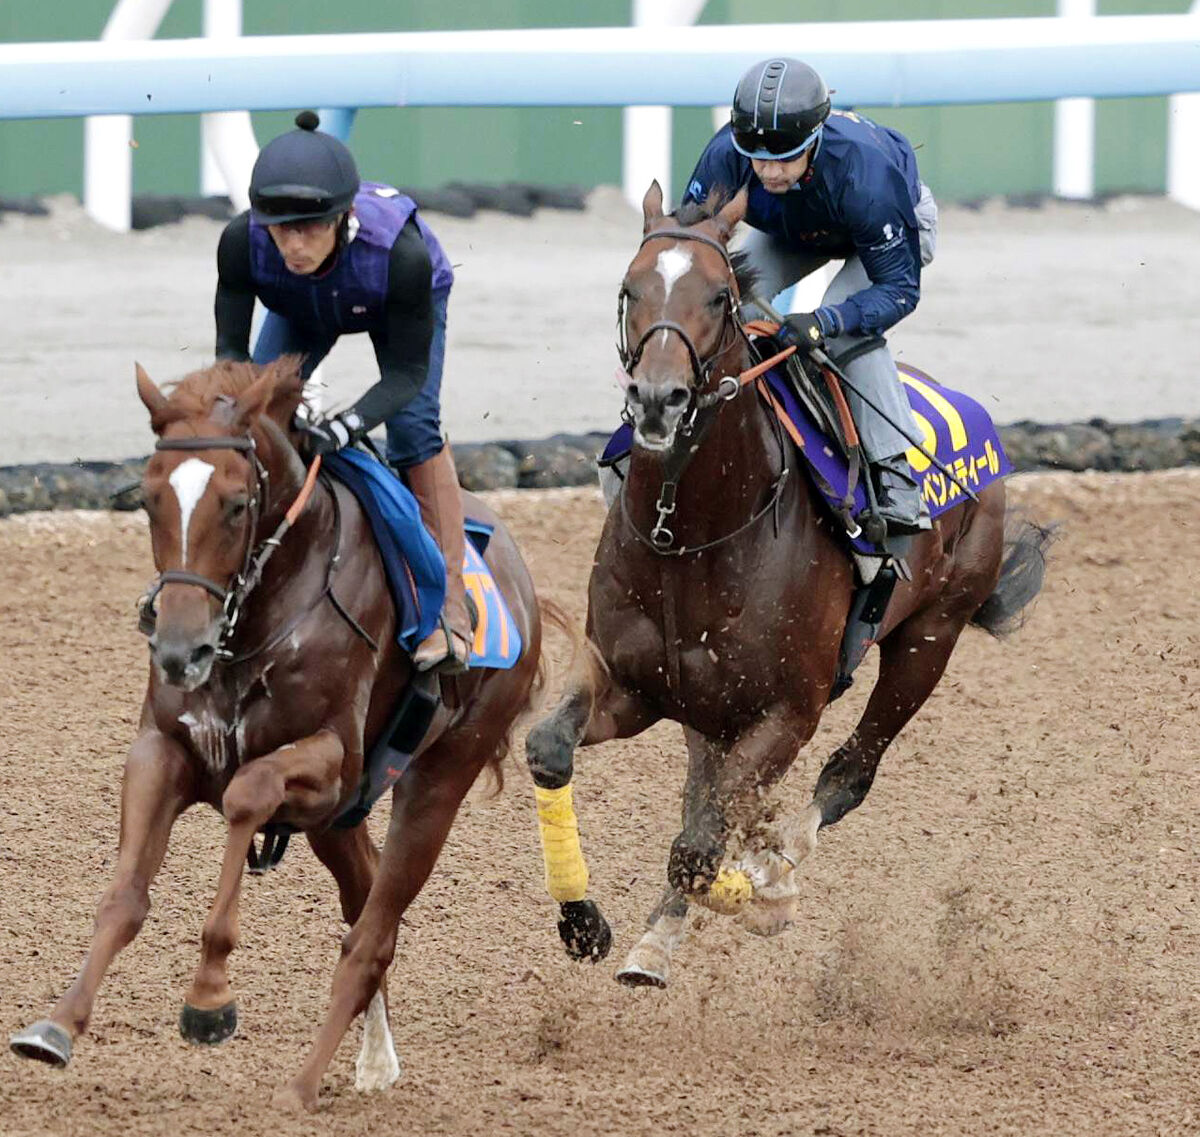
[288, 1099]
[633, 975]
[45, 1041]
[208, 1028]
[583, 930]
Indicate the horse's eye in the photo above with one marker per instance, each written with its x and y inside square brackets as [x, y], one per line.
[720, 300]
[235, 509]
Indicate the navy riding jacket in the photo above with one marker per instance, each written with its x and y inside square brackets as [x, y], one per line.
[857, 198]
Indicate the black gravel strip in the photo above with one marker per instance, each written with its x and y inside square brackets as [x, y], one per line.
[570, 460]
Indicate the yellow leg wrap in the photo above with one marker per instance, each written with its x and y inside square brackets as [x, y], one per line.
[730, 891]
[566, 872]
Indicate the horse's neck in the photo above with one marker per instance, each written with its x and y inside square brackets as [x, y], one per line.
[726, 480]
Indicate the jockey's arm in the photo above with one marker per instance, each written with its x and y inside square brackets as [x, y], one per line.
[403, 339]
[234, 304]
[888, 244]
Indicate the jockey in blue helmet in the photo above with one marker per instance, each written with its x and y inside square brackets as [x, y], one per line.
[829, 185]
[328, 255]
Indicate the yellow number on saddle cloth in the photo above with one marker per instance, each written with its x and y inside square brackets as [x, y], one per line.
[497, 640]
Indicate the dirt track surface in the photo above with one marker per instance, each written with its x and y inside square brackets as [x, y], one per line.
[1056, 314]
[1003, 939]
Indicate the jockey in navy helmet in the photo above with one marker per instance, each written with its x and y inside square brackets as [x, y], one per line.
[328, 255]
[829, 185]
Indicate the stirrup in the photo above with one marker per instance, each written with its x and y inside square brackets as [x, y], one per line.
[450, 662]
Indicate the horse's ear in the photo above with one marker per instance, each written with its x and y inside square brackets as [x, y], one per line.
[652, 206]
[731, 213]
[156, 402]
[253, 401]
[287, 392]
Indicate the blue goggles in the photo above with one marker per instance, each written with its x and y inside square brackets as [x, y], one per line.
[772, 145]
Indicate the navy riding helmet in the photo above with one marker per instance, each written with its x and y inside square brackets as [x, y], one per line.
[779, 108]
[304, 175]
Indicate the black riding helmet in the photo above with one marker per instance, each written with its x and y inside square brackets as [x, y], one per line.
[304, 175]
[778, 109]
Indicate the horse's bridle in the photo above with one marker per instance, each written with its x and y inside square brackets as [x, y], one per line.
[701, 369]
[700, 413]
[232, 597]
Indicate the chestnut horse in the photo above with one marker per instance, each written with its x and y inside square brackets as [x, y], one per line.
[265, 694]
[733, 630]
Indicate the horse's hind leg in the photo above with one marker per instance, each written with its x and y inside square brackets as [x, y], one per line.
[912, 660]
[585, 716]
[424, 805]
[648, 963]
[351, 856]
[156, 789]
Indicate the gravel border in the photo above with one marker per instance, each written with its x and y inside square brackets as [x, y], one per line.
[570, 460]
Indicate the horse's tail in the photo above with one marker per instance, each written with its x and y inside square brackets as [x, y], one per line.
[583, 652]
[1021, 576]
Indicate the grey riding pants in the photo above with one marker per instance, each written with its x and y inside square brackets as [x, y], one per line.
[873, 372]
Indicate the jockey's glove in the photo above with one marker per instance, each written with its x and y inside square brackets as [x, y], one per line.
[809, 329]
[324, 436]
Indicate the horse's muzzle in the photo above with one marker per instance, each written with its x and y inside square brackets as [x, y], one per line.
[657, 409]
[183, 663]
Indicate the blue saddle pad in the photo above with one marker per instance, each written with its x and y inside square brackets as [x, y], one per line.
[955, 428]
[416, 570]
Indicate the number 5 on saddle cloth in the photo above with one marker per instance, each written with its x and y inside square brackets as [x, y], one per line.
[416, 575]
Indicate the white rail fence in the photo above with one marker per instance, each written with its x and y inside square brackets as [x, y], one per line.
[1075, 56]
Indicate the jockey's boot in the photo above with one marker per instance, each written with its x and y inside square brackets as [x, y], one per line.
[434, 483]
[898, 495]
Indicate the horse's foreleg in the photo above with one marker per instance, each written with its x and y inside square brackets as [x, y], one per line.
[299, 774]
[351, 856]
[157, 787]
[424, 805]
[583, 717]
[912, 660]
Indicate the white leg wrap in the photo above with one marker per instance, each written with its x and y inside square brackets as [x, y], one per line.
[377, 1066]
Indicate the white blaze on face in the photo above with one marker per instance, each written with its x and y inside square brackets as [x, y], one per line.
[671, 265]
[189, 480]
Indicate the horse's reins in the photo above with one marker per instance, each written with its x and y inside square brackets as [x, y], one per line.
[233, 598]
[701, 414]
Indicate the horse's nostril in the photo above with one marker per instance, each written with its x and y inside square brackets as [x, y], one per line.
[678, 397]
[633, 393]
[202, 654]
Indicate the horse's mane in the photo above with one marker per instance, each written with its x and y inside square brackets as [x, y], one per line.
[693, 212]
[197, 393]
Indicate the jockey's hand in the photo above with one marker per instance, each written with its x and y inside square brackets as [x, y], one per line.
[324, 436]
[809, 329]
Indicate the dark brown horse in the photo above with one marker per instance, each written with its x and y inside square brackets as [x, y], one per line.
[734, 631]
[264, 696]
